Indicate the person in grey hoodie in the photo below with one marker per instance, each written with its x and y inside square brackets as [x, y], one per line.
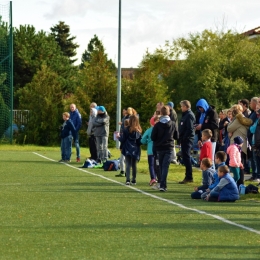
[90, 133]
[101, 132]
[163, 135]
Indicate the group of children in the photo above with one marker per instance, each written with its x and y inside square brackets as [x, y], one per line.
[219, 185]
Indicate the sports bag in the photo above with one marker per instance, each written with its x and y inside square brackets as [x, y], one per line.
[111, 165]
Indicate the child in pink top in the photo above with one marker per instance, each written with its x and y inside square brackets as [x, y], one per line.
[234, 152]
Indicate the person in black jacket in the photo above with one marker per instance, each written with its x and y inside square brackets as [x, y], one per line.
[208, 120]
[186, 138]
[163, 135]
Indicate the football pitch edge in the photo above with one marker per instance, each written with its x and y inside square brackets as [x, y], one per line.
[160, 198]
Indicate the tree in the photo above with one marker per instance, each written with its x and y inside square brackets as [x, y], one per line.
[61, 34]
[33, 49]
[45, 106]
[219, 66]
[95, 45]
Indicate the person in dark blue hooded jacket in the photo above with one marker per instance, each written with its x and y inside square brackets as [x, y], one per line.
[208, 120]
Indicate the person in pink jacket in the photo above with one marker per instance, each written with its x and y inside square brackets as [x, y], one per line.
[234, 152]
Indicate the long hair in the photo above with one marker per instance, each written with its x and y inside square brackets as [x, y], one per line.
[134, 125]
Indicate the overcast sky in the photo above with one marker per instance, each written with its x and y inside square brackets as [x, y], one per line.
[146, 24]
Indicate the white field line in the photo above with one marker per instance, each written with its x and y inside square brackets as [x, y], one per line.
[159, 198]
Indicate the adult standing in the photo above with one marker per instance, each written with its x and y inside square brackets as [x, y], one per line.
[174, 118]
[245, 103]
[186, 138]
[252, 158]
[90, 132]
[101, 132]
[163, 135]
[75, 117]
[208, 120]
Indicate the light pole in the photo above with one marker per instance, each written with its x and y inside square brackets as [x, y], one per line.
[118, 114]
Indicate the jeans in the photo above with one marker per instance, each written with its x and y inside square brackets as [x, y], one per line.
[255, 171]
[66, 148]
[151, 166]
[130, 162]
[76, 142]
[102, 151]
[92, 147]
[185, 149]
[165, 158]
[257, 157]
[122, 163]
[214, 196]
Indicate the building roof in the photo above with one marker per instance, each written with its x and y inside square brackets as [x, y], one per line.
[253, 32]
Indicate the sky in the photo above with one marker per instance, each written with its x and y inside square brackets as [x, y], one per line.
[146, 24]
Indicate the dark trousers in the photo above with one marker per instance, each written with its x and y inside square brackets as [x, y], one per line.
[165, 158]
[186, 149]
[92, 147]
[151, 166]
[241, 179]
[157, 168]
[130, 162]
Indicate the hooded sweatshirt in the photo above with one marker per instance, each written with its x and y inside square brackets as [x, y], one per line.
[163, 134]
[209, 118]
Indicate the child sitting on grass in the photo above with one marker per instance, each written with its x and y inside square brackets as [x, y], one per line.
[226, 190]
[234, 152]
[220, 160]
[146, 139]
[207, 178]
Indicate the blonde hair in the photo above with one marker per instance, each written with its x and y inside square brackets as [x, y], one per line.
[134, 125]
[207, 133]
[66, 114]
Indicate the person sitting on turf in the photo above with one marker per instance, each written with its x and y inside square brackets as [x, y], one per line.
[207, 178]
[226, 190]
[220, 160]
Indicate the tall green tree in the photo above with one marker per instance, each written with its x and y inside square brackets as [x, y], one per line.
[33, 49]
[45, 107]
[61, 34]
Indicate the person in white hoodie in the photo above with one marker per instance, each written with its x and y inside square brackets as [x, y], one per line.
[90, 132]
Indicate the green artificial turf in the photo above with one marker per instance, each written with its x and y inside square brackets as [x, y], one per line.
[49, 210]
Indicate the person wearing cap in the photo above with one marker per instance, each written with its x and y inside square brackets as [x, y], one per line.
[234, 152]
[174, 118]
[101, 133]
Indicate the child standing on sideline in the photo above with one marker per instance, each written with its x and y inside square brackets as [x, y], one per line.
[205, 145]
[146, 139]
[207, 178]
[234, 152]
[131, 141]
[226, 190]
[66, 137]
[220, 160]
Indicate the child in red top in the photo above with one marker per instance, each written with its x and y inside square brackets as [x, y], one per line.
[234, 152]
[205, 145]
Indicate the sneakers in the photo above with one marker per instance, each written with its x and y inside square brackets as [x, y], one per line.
[156, 186]
[61, 160]
[163, 189]
[127, 183]
[78, 159]
[152, 182]
[174, 162]
[67, 161]
[185, 181]
[133, 183]
[121, 174]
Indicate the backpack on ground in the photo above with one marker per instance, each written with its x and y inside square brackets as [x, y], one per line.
[251, 189]
[111, 165]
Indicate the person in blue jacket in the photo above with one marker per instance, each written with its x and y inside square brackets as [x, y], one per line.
[226, 190]
[68, 132]
[146, 139]
[75, 117]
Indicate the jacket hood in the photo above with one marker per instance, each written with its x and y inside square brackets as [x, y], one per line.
[244, 120]
[202, 103]
[94, 112]
[165, 119]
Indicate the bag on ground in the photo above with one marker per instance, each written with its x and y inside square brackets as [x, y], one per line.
[111, 165]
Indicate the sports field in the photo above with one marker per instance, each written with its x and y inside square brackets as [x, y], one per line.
[51, 210]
